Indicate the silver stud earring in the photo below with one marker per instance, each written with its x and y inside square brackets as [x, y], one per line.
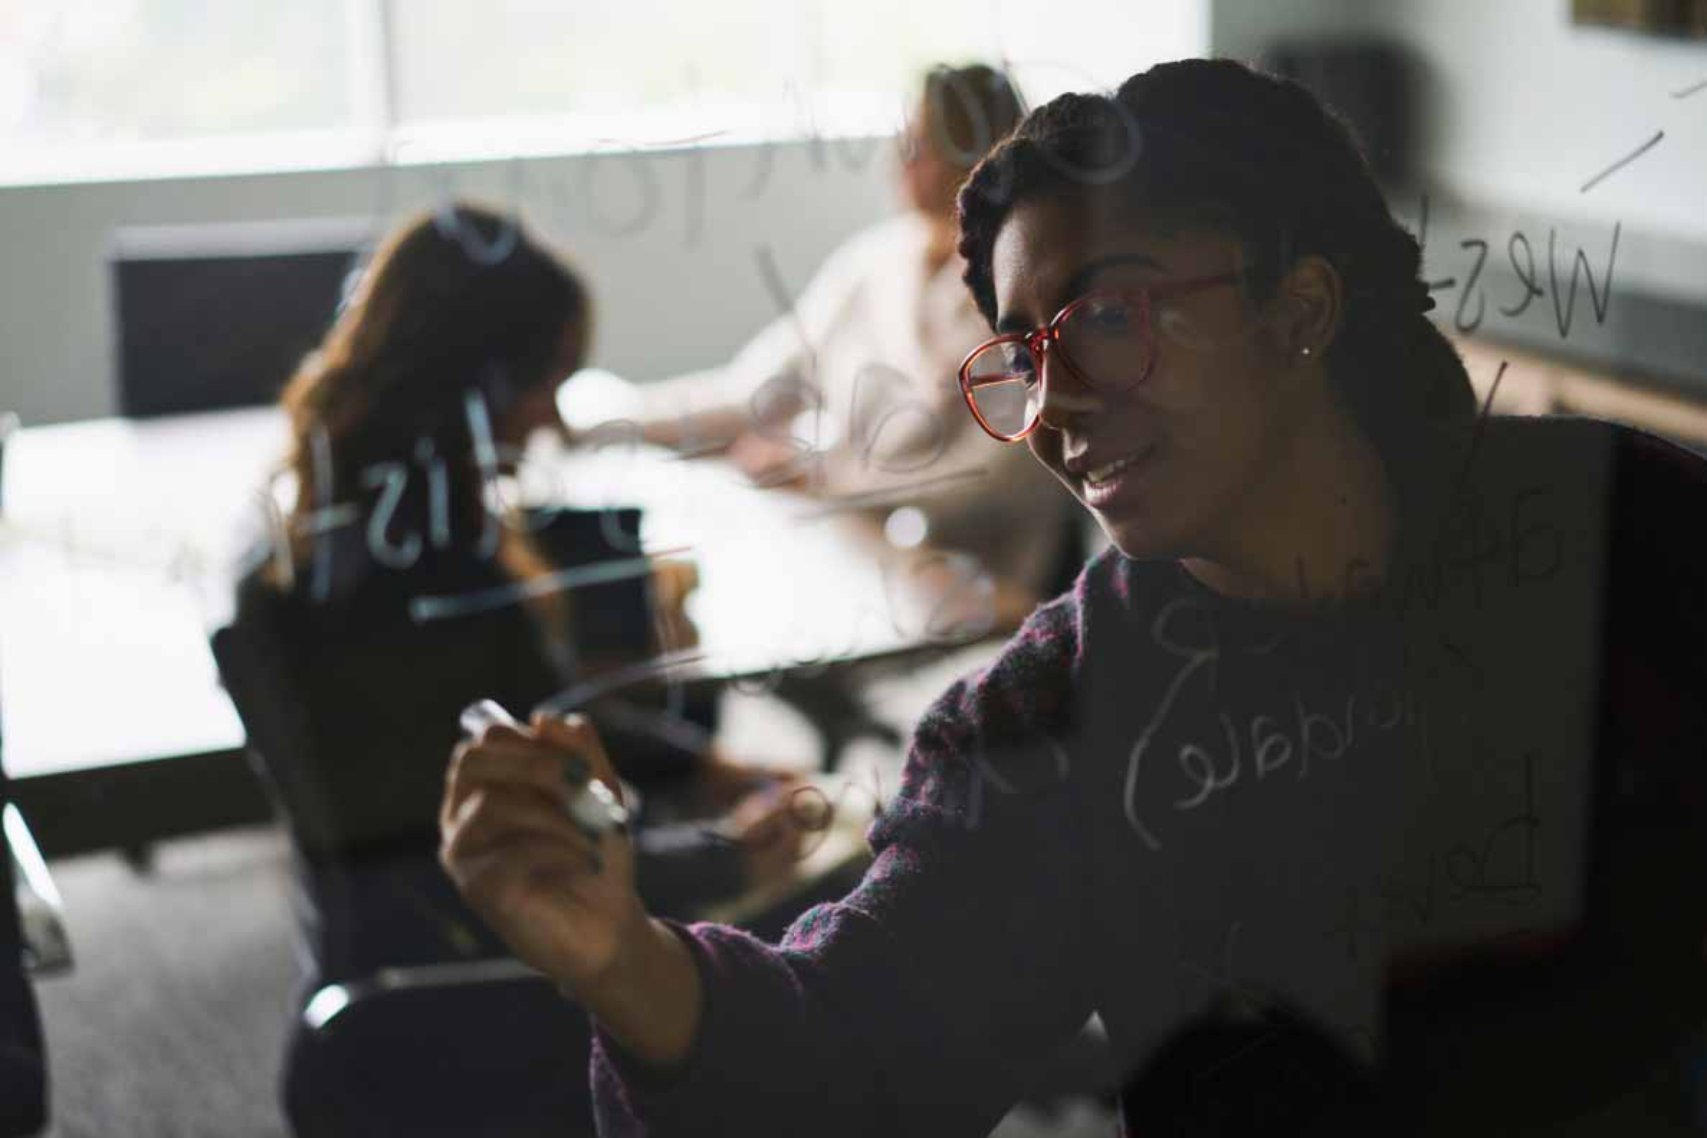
[1304, 351]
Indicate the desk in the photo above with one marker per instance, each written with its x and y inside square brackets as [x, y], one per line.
[1537, 384]
[115, 562]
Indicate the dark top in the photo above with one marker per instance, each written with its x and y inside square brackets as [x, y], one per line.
[1158, 797]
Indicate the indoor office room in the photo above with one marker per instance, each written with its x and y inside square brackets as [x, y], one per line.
[981, 567]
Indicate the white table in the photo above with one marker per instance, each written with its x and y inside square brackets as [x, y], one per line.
[115, 558]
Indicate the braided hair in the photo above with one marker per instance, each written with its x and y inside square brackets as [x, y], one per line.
[1215, 144]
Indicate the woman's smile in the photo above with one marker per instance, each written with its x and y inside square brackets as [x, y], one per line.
[1101, 476]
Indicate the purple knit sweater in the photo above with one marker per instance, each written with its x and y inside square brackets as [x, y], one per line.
[1156, 797]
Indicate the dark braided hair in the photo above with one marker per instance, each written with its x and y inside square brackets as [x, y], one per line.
[1214, 144]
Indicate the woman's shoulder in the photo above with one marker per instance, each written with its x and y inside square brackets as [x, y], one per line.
[1009, 725]
[1031, 683]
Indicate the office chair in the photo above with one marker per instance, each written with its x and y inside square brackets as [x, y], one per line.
[410, 1020]
[33, 943]
[23, 1057]
[350, 708]
[1530, 1042]
[482, 1047]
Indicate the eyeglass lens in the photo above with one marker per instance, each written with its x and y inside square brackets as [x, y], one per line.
[1105, 342]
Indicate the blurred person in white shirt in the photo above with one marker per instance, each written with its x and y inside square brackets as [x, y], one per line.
[853, 394]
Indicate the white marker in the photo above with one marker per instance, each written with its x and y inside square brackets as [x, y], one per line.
[590, 803]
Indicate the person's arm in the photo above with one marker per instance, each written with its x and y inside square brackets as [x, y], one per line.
[915, 1005]
[920, 1004]
[770, 380]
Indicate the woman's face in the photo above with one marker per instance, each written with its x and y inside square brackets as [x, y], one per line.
[928, 181]
[1169, 465]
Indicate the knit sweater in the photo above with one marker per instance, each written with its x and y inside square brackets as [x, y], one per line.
[1158, 797]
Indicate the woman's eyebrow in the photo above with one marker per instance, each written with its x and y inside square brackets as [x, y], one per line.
[1086, 273]
[1079, 282]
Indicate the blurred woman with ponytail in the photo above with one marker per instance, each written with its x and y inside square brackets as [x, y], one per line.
[1188, 787]
[406, 426]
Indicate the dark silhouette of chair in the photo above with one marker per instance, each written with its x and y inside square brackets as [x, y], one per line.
[23, 1062]
[483, 1047]
[411, 1021]
[23, 1059]
[32, 942]
[1504, 1042]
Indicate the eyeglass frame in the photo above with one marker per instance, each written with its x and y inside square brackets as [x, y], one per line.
[1050, 333]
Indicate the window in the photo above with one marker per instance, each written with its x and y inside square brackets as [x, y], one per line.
[91, 86]
[105, 88]
[531, 75]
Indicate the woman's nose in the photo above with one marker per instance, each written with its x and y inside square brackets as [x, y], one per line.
[1065, 395]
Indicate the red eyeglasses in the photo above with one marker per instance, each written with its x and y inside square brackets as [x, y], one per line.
[1107, 340]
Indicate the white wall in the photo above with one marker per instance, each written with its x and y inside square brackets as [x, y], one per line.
[681, 290]
[667, 238]
[1520, 108]
[1528, 107]
[1241, 29]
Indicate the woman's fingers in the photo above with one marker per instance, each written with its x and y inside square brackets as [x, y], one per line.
[498, 815]
[561, 899]
[575, 735]
[504, 838]
[502, 759]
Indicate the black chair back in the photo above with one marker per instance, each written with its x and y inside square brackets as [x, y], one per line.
[1530, 1039]
[23, 1056]
[389, 1040]
[362, 815]
[480, 1048]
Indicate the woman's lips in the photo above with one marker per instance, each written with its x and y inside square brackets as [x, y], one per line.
[1104, 483]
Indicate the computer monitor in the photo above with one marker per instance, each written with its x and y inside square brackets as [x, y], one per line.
[215, 316]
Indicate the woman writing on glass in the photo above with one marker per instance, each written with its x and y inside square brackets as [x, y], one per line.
[1179, 779]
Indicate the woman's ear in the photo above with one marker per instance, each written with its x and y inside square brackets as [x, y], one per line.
[1310, 300]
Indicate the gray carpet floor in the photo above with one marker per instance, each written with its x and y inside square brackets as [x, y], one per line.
[172, 1022]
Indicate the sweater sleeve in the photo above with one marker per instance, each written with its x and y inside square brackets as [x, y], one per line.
[919, 1003]
[776, 365]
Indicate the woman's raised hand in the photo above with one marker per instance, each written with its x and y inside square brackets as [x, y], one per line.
[563, 901]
